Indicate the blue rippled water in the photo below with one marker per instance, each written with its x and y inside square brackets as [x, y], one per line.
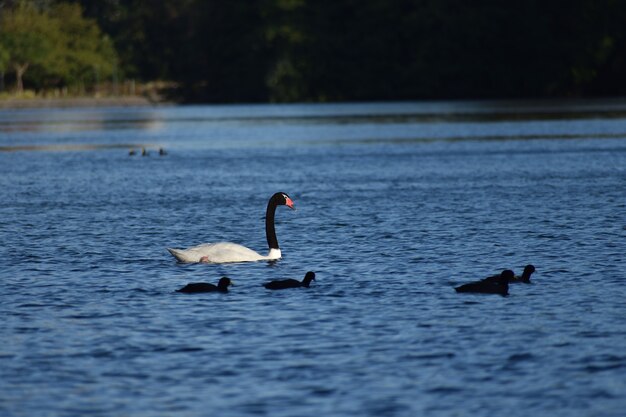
[397, 203]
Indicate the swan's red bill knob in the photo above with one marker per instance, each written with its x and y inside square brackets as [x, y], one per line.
[289, 203]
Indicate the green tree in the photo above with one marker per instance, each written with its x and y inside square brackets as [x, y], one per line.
[28, 36]
[84, 54]
[56, 43]
[4, 61]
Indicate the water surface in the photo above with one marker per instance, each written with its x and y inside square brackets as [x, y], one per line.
[397, 203]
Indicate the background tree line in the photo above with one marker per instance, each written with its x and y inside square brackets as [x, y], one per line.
[52, 44]
[329, 50]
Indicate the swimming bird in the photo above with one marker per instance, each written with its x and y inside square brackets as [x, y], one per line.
[485, 286]
[291, 283]
[162, 152]
[223, 252]
[524, 279]
[222, 286]
[144, 152]
[132, 152]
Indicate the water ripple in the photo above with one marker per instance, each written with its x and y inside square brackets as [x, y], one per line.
[389, 224]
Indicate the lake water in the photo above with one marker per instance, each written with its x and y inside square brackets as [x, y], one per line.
[396, 204]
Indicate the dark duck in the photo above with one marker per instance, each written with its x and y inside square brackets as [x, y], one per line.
[486, 286]
[291, 283]
[524, 279]
[194, 287]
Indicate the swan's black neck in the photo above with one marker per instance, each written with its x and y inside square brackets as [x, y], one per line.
[270, 231]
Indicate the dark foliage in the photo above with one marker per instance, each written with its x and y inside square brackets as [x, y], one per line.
[305, 50]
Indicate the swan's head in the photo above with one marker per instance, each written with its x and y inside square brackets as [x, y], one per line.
[282, 199]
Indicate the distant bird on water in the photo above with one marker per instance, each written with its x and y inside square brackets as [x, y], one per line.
[524, 279]
[162, 152]
[485, 286]
[132, 152]
[222, 286]
[291, 283]
[144, 152]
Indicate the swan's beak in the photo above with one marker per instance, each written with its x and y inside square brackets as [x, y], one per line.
[289, 203]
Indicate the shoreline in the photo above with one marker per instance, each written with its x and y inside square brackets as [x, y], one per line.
[36, 103]
[497, 106]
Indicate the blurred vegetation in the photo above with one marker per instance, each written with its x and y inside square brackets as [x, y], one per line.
[53, 46]
[322, 50]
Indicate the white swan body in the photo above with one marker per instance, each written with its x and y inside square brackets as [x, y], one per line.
[224, 252]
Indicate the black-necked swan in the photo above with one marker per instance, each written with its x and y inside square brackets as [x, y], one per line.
[282, 284]
[524, 279]
[486, 286]
[222, 286]
[223, 252]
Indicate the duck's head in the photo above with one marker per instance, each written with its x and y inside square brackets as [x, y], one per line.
[528, 271]
[506, 276]
[224, 282]
[310, 276]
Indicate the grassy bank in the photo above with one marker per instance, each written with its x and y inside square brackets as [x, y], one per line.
[127, 93]
[40, 102]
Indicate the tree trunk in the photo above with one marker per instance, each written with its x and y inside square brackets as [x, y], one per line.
[19, 72]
